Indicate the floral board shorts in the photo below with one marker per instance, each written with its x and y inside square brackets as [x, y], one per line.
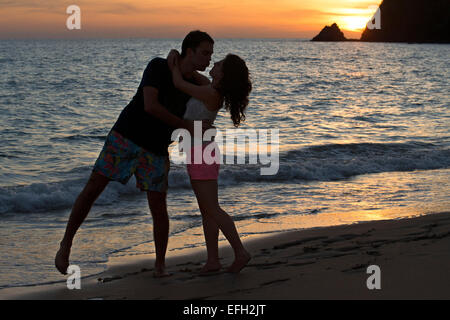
[120, 158]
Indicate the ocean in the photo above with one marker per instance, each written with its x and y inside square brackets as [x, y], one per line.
[363, 135]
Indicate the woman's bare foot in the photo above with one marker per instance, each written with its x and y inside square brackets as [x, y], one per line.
[62, 259]
[160, 271]
[210, 267]
[239, 263]
[161, 274]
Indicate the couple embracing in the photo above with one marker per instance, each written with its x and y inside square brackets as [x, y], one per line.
[171, 95]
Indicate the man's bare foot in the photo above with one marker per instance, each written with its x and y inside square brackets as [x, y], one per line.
[239, 263]
[210, 267]
[62, 259]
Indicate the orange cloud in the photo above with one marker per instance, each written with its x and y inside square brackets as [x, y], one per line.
[174, 18]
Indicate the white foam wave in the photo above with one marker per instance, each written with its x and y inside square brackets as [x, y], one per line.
[319, 163]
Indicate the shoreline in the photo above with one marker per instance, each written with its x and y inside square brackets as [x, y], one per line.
[318, 263]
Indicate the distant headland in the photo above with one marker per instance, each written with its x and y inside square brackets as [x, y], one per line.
[414, 21]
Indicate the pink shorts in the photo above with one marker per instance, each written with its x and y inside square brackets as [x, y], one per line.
[203, 170]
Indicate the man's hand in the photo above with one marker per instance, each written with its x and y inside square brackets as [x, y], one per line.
[189, 126]
[207, 124]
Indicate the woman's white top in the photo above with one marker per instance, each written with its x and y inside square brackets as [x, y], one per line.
[196, 110]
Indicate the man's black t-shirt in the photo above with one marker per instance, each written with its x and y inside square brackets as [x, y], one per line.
[137, 125]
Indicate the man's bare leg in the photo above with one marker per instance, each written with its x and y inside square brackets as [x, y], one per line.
[80, 210]
[158, 209]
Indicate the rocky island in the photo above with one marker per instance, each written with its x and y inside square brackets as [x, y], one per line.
[331, 33]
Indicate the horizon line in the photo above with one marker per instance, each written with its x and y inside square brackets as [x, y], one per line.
[155, 38]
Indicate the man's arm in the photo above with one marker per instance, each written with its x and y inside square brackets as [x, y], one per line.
[154, 108]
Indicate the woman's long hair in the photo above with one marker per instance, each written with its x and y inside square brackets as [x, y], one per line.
[235, 87]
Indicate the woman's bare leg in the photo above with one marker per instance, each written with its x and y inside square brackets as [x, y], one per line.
[211, 231]
[206, 192]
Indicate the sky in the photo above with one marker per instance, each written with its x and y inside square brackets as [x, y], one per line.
[21, 19]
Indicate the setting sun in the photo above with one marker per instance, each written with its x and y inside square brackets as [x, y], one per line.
[353, 19]
[355, 23]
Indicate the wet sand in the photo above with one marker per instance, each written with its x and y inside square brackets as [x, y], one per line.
[323, 263]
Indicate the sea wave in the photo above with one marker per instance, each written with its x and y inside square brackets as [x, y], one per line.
[79, 137]
[330, 162]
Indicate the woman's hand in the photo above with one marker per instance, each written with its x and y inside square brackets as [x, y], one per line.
[172, 61]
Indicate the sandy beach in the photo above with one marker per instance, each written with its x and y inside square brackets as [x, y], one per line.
[323, 263]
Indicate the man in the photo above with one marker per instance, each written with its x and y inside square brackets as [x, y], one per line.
[138, 142]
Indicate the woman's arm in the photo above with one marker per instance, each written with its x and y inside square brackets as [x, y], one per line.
[204, 92]
[200, 79]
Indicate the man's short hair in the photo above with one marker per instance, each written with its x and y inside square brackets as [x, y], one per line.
[193, 40]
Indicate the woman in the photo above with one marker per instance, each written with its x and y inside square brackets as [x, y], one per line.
[230, 87]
